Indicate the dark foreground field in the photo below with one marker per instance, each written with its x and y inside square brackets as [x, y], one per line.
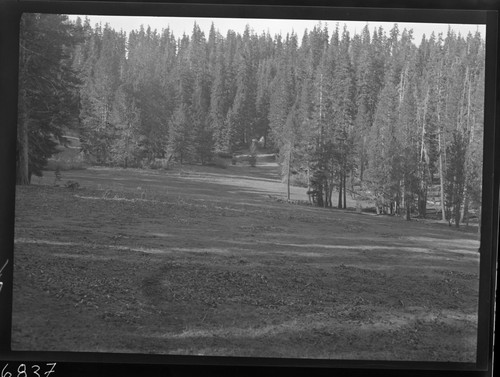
[208, 262]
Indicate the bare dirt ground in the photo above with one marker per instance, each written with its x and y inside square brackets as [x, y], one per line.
[206, 261]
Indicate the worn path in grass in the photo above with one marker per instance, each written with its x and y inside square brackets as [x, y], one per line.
[206, 261]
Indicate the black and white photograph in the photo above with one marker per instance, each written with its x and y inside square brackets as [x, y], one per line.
[271, 188]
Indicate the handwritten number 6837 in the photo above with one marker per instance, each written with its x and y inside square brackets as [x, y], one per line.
[22, 371]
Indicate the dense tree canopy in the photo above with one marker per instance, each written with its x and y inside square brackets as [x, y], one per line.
[375, 114]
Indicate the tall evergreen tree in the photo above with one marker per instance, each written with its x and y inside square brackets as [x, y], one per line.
[219, 105]
[203, 135]
[97, 94]
[47, 90]
[382, 145]
[128, 142]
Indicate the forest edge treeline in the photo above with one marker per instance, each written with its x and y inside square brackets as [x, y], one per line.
[372, 114]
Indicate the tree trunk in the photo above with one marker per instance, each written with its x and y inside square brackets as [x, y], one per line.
[339, 205]
[308, 179]
[457, 215]
[465, 210]
[403, 197]
[345, 198]
[441, 177]
[326, 193]
[422, 200]
[363, 158]
[469, 131]
[288, 177]
[441, 148]
[319, 197]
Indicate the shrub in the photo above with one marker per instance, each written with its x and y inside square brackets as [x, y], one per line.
[68, 159]
[159, 163]
[73, 185]
[252, 160]
[57, 176]
[224, 155]
[218, 162]
[299, 179]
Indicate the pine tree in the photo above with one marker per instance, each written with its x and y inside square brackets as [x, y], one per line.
[343, 116]
[455, 177]
[219, 105]
[47, 90]
[407, 160]
[428, 66]
[126, 119]
[97, 94]
[243, 108]
[283, 121]
[203, 140]
[368, 86]
[181, 135]
[382, 145]
[262, 101]
[145, 74]
[472, 128]
[475, 151]
[319, 171]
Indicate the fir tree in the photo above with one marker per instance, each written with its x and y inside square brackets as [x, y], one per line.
[47, 90]
[128, 145]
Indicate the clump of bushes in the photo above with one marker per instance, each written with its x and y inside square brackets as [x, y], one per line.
[57, 176]
[73, 185]
[252, 160]
[54, 164]
[220, 163]
[159, 163]
[299, 178]
[66, 159]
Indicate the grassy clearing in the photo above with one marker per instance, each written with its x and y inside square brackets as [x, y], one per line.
[205, 261]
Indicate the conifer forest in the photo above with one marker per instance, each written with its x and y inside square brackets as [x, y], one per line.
[371, 113]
